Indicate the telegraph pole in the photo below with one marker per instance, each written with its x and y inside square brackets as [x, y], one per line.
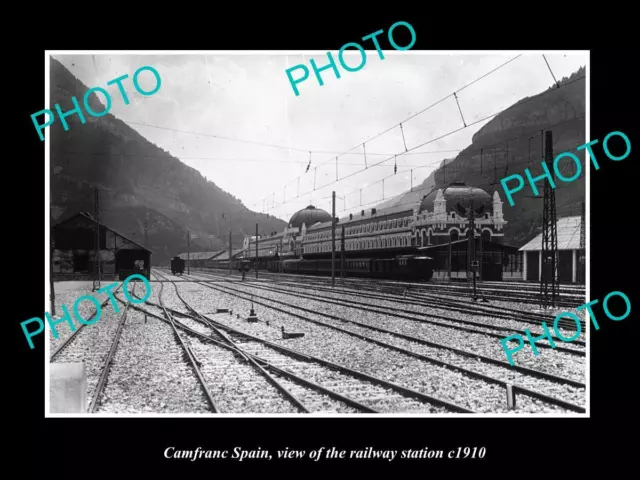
[333, 239]
[188, 252]
[450, 256]
[229, 245]
[256, 250]
[146, 236]
[472, 247]
[51, 247]
[96, 245]
[342, 254]
[549, 286]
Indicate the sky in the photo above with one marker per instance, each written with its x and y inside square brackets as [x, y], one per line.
[268, 132]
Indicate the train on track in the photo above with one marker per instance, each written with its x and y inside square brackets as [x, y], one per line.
[407, 267]
[177, 266]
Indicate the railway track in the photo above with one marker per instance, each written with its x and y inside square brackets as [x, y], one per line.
[569, 296]
[427, 300]
[98, 393]
[561, 385]
[69, 340]
[102, 388]
[223, 371]
[409, 297]
[94, 347]
[293, 369]
[400, 313]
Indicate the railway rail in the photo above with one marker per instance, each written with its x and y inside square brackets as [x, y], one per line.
[280, 392]
[563, 382]
[569, 295]
[69, 340]
[102, 381]
[428, 300]
[467, 326]
[377, 394]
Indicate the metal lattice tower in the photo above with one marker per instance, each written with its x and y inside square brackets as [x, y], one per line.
[582, 257]
[96, 243]
[549, 273]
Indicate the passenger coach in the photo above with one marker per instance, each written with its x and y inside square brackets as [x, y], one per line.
[419, 241]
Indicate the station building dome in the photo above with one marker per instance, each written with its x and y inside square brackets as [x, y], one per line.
[309, 216]
[458, 193]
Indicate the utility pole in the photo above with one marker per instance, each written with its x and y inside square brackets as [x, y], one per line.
[229, 245]
[472, 247]
[146, 229]
[333, 239]
[549, 286]
[342, 254]
[188, 252]
[450, 256]
[52, 296]
[96, 245]
[256, 250]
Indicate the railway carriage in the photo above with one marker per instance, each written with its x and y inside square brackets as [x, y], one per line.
[177, 266]
[402, 267]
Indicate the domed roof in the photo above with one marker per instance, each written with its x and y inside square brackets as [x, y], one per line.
[309, 216]
[459, 193]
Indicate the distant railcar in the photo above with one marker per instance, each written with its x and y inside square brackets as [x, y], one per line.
[177, 266]
[402, 267]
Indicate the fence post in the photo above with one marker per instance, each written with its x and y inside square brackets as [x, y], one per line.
[511, 397]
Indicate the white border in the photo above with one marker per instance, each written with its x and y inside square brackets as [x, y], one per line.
[47, 347]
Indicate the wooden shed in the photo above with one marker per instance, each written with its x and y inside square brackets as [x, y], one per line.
[73, 251]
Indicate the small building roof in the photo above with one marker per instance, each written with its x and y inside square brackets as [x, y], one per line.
[261, 253]
[225, 255]
[88, 216]
[200, 255]
[568, 236]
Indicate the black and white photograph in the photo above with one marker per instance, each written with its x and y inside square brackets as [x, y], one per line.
[275, 233]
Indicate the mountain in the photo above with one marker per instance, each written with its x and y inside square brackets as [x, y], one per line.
[139, 182]
[560, 109]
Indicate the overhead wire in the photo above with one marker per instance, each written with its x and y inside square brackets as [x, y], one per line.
[420, 112]
[252, 142]
[501, 142]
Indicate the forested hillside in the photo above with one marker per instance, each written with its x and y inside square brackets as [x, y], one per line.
[139, 182]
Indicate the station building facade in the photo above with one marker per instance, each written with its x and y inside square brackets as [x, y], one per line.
[438, 226]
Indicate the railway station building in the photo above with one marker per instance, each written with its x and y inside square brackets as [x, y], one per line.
[269, 249]
[570, 260]
[441, 230]
[73, 251]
